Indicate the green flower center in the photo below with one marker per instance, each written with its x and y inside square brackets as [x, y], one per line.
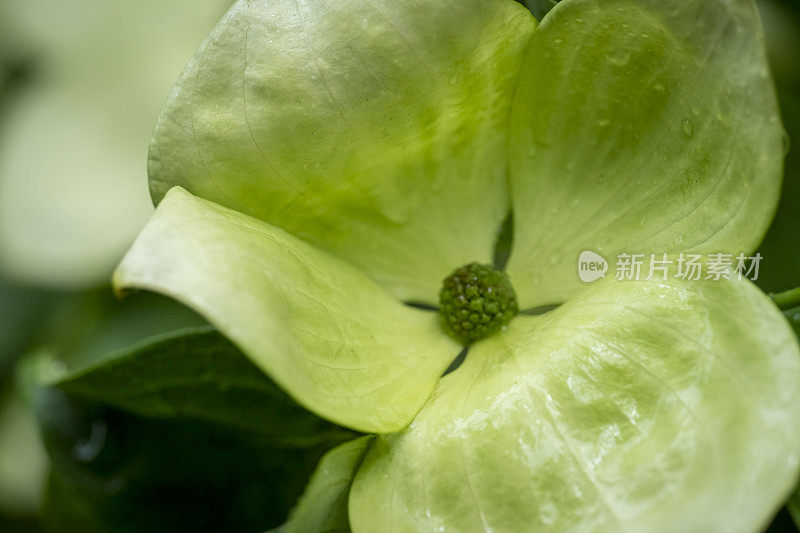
[476, 301]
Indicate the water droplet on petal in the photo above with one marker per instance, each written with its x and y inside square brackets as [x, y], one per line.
[619, 57]
[688, 127]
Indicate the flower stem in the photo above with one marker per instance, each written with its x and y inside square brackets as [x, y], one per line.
[786, 299]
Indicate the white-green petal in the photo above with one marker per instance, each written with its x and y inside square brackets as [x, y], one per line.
[640, 126]
[638, 406]
[332, 338]
[372, 128]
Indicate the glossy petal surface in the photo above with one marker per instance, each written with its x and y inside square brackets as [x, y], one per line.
[640, 126]
[636, 407]
[372, 128]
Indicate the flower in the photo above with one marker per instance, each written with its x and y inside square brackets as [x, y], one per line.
[320, 163]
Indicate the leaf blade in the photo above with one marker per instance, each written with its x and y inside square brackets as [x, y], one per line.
[199, 375]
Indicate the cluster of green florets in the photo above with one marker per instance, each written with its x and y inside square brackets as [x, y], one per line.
[475, 301]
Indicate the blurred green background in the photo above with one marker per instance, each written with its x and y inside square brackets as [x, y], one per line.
[81, 86]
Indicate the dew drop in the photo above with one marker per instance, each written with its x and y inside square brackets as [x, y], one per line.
[619, 57]
[688, 127]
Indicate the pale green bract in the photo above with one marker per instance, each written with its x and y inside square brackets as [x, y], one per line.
[373, 129]
[687, 158]
[636, 406]
[323, 330]
[336, 158]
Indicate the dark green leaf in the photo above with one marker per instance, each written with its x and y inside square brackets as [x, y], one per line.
[85, 328]
[198, 374]
[176, 432]
[112, 471]
[20, 311]
[780, 249]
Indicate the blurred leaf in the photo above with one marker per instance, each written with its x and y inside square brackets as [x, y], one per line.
[323, 506]
[83, 329]
[21, 311]
[23, 462]
[117, 472]
[62, 331]
[22, 458]
[198, 374]
[178, 432]
[780, 248]
[73, 138]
